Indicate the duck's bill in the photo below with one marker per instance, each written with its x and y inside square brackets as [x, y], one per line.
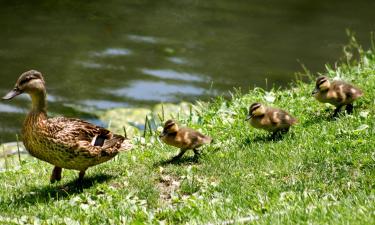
[315, 91]
[248, 117]
[13, 93]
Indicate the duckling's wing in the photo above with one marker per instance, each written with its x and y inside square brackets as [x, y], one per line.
[76, 134]
[346, 92]
[281, 118]
[197, 137]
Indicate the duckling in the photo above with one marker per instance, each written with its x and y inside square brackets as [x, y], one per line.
[337, 93]
[270, 119]
[63, 142]
[184, 138]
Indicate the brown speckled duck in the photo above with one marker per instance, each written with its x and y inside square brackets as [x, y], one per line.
[337, 93]
[184, 138]
[63, 142]
[270, 119]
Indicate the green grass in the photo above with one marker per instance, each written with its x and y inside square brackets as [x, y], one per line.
[322, 171]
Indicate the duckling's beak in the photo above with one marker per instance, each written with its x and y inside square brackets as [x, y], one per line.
[316, 90]
[248, 117]
[13, 93]
[162, 134]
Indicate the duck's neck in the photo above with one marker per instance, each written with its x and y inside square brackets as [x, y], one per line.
[39, 105]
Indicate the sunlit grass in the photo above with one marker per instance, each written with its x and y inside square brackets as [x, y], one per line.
[322, 171]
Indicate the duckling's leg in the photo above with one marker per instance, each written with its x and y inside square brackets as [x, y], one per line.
[182, 152]
[349, 108]
[336, 112]
[196, 152]
[275, 135]
[285, 130]
[56, 174]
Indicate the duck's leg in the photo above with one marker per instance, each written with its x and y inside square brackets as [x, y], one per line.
[56, 174]
[349, 108]
[81, 175]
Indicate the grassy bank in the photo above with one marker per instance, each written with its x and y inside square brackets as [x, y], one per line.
[323, 171]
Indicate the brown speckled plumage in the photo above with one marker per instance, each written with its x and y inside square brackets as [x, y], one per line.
[64, 142]
[270, 119]
[184, 138]
[337, 93]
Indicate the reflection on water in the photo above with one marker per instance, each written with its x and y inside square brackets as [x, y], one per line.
[102, 104]
[157, 91]
[173, 75]
[4, 108]
[103, 54]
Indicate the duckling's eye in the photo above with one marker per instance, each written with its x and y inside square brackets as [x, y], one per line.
[321, 82]
[254, 108]
[169, 126]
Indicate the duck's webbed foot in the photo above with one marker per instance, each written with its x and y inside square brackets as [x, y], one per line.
[349, 108]
[56, 174]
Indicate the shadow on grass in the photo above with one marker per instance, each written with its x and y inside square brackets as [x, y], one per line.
[315, 119]
[45, 194]
[181, 161]
[263, 139]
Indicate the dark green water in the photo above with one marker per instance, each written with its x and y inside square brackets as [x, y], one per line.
[103, 54]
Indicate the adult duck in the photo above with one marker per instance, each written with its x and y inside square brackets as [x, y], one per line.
[63, 142]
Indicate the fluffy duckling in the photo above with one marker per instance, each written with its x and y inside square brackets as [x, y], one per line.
[271, 119]
[63, 142]
[183, 138]
[337, 93]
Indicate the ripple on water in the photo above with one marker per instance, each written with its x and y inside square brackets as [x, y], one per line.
[112, 52]
[172, 74]
[144, 39]
[156, 91]
[92, 65]
[178, 60]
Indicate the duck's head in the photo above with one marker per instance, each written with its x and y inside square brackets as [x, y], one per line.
[170, 127]
[30, 82]
[256, 109]
[322, 84]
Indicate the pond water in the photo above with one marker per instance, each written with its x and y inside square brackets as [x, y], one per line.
[103, 54]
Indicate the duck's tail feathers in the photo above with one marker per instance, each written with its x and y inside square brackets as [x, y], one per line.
[126, 145]
[114, 142]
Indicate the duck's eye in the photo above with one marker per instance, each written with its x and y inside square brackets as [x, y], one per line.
[24, 81]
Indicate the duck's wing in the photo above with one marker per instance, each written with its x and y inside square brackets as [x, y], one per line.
[76, 134]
